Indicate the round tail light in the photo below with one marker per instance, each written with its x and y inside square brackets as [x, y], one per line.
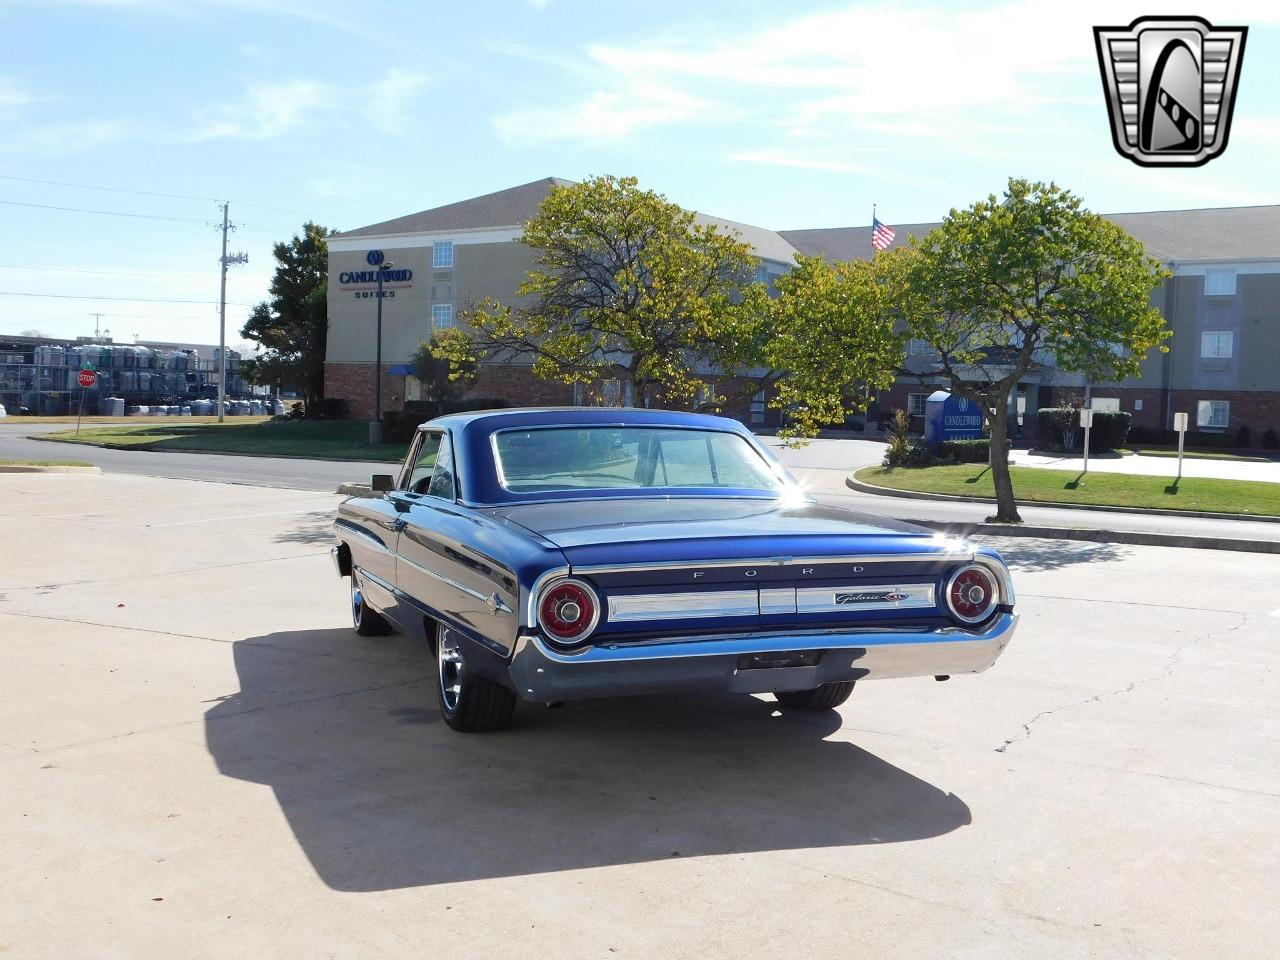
[972, 594]
[568, 610]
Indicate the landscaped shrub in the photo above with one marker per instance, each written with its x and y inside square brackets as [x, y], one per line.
[897, 432]
[1110, 430]
[328, 408]
[1060, 429]
[1243, 439]
[1269, 440]
[965, 451]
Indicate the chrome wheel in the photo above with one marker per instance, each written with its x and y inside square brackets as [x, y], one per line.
[452, 668]
[357, 603]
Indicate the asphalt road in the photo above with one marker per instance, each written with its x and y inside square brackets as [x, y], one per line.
[201, 760]
[822, 465]
[294, 474]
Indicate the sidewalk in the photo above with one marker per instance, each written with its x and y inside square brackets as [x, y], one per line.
[1152, 466]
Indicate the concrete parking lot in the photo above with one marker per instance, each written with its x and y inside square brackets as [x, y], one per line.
[200, 759]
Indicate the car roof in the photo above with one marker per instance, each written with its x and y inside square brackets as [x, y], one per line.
[515, 417]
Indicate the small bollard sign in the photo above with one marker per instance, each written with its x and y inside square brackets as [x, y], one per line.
[1086, 421]
[1180, 424]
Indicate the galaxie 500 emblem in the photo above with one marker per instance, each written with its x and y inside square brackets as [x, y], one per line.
[879, 596]
[1170, 84]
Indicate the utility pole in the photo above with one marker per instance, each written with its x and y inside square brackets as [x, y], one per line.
[97, 322]
[222, 310]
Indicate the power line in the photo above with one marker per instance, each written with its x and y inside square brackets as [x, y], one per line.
[145, 193]
[86, 296]
[120, 273]
[109, 213]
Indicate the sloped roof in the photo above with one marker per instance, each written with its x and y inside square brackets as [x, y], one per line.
[848, 243]
[512, 207]
[1213, 233]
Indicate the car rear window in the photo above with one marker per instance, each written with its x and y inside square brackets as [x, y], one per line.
[638, 458]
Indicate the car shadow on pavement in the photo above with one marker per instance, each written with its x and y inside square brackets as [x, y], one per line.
[316, 527]
[1034, 554]
[380, 794]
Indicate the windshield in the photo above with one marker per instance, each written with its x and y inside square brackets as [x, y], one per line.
[639, 458]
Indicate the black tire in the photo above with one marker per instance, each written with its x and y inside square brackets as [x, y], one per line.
[367, 621]
[826, 697]
[468, 703]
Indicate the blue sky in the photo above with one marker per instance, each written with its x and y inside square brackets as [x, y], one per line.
[782, 115]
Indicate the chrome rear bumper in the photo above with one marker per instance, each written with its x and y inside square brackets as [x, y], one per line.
[541, 672]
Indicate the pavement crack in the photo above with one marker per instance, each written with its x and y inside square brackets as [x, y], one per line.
[1171, 661]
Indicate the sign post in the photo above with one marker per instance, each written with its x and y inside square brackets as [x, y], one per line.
[1086, 421]
[86, 378]
[1180, 424]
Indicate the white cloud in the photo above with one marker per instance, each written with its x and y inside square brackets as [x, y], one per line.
[266, 110]
[605, 115]
[13, 96]
[390, 98]
[272, 109]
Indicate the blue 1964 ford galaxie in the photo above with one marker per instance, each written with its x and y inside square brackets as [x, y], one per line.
[559, 554]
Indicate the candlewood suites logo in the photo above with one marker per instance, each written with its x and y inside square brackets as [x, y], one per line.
[1170, 85]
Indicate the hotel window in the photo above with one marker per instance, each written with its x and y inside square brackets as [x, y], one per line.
[1219, 283]
[1213, 414]
[1216, 344]
[441, 316]
[917, 347]
[442, 253]
[917, 404]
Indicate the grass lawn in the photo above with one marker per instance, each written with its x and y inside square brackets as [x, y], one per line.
[1032, 484]
[44, 463]
[317, 439]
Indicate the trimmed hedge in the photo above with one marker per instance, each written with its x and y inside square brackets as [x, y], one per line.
[398, 425]
[965, 451]
[1060, 429]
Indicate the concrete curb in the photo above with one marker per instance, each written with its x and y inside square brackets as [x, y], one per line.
[863, 487]
[1101, 536]
[31, 468]
[137, 448]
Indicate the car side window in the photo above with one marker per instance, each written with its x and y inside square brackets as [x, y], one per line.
[442, 484]
[424, 463]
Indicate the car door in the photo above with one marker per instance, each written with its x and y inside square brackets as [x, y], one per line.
[441, 566]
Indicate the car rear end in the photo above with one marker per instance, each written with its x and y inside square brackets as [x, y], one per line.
[899, 606]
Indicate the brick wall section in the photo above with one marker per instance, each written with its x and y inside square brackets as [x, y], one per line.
[353, 382]
[519, 387]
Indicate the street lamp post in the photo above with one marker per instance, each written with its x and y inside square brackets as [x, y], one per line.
[375, 425]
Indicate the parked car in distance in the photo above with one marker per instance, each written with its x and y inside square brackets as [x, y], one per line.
[566, 553]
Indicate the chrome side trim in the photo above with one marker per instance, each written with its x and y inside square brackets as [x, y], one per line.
[862, 559]
[775, 600]
[530, 603]
[853, 598]
[629, 608]
[486, 599]
[373, 538]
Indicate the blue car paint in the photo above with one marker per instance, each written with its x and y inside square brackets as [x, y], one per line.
[529, 535]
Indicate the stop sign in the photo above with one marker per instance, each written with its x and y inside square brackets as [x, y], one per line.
[86, 378]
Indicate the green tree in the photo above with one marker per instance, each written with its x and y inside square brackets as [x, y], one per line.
[439, 378]
[623, 280]
[292, 327]
[1016, 283]
[830, 332]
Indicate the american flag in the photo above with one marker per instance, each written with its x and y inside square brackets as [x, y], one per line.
[881, 235]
